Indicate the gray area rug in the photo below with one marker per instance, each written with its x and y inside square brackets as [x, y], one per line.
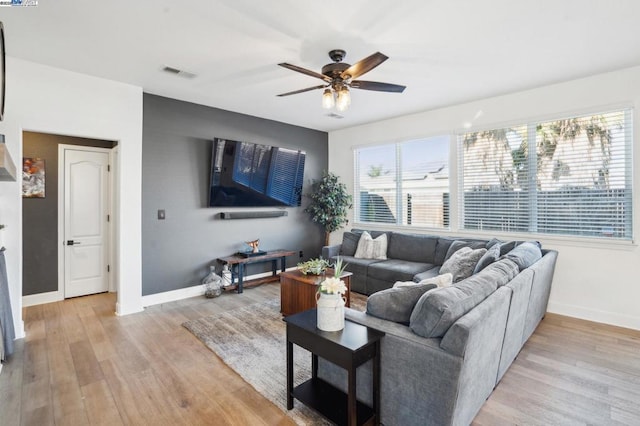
[252, 341]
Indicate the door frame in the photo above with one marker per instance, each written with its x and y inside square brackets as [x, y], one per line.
[111, 190]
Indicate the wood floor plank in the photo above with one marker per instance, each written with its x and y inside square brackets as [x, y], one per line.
[81, 364]
[99, 404]
[85, 363]
[68, 402]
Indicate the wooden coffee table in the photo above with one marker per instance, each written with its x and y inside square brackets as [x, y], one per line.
[298, 291]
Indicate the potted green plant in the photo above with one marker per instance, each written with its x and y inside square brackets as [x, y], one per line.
[313, 266]
[330, 203]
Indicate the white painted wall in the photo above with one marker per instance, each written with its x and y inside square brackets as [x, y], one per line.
[598, 282]
[50, 100]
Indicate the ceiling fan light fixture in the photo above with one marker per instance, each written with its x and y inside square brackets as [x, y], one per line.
[327, 99]
[344, 99]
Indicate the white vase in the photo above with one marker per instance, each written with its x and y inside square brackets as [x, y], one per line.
[330, 311]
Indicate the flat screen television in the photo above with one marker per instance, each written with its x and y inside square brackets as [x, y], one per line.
[245, 174]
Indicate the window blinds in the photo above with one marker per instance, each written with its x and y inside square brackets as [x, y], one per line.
[570, 177]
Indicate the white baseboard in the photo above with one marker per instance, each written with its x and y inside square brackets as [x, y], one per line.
[173, 295]
[612, 318]
[187, 292]
[40, 298]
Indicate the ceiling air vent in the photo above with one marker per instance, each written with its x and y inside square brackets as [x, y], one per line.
[176, 71]
[334, 115]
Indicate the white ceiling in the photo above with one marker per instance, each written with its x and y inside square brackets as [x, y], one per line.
[445, 52]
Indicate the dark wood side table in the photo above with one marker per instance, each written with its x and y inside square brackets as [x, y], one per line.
[348, 348]
[238, 265]
[298, 291]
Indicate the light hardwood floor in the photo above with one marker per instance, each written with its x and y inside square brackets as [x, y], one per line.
[80, 364]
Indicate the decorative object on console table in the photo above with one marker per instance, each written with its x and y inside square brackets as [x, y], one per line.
[237, 263]
[331, 301]
[254, 245]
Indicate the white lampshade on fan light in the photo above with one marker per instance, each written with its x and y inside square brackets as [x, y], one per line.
[327, 99]
[343, 99]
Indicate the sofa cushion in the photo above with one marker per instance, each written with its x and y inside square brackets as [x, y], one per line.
[349, 243]
[462, 263]
[369, 248]
[501, 271]
[525, 254]
[437, 310]
[358, 266]
[396, 304]
[458, 244]
[492, 254]
[393, 270]
[415, 248]
[441, 250]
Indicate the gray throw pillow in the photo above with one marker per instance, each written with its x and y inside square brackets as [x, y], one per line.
[349, 243]
[462, 263]
[525, 254]
[437, 310]
[492, 254]
[502, 271]
[396, 304]
[458, 244]
[507, 247]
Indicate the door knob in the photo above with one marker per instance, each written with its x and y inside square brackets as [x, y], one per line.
[72, 243]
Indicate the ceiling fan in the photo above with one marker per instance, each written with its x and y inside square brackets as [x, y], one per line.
[339, 76]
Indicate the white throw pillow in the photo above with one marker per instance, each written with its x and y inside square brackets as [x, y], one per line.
[368, 248]
[443, 280]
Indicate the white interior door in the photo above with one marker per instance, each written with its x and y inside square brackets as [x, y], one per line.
[86, 210]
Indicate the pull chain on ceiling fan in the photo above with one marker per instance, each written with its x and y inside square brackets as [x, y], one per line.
[340, 76]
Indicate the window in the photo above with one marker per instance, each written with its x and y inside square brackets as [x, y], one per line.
[567, 177]
[403, 183]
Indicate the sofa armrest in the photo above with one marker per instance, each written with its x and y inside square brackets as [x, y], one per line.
[478, 338]
[329, 252]
[413, 369]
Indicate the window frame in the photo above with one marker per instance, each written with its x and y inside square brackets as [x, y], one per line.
[398, 211]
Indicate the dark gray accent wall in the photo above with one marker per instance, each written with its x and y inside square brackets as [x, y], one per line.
[40, 215]
[176, 155]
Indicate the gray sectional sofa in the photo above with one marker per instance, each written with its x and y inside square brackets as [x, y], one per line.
[440, 366]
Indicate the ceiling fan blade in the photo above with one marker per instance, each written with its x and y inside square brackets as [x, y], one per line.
[322, 86]
[379, 87]
[305, 71]
[363, 66]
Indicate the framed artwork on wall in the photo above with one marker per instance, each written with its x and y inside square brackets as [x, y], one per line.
[33, 178]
